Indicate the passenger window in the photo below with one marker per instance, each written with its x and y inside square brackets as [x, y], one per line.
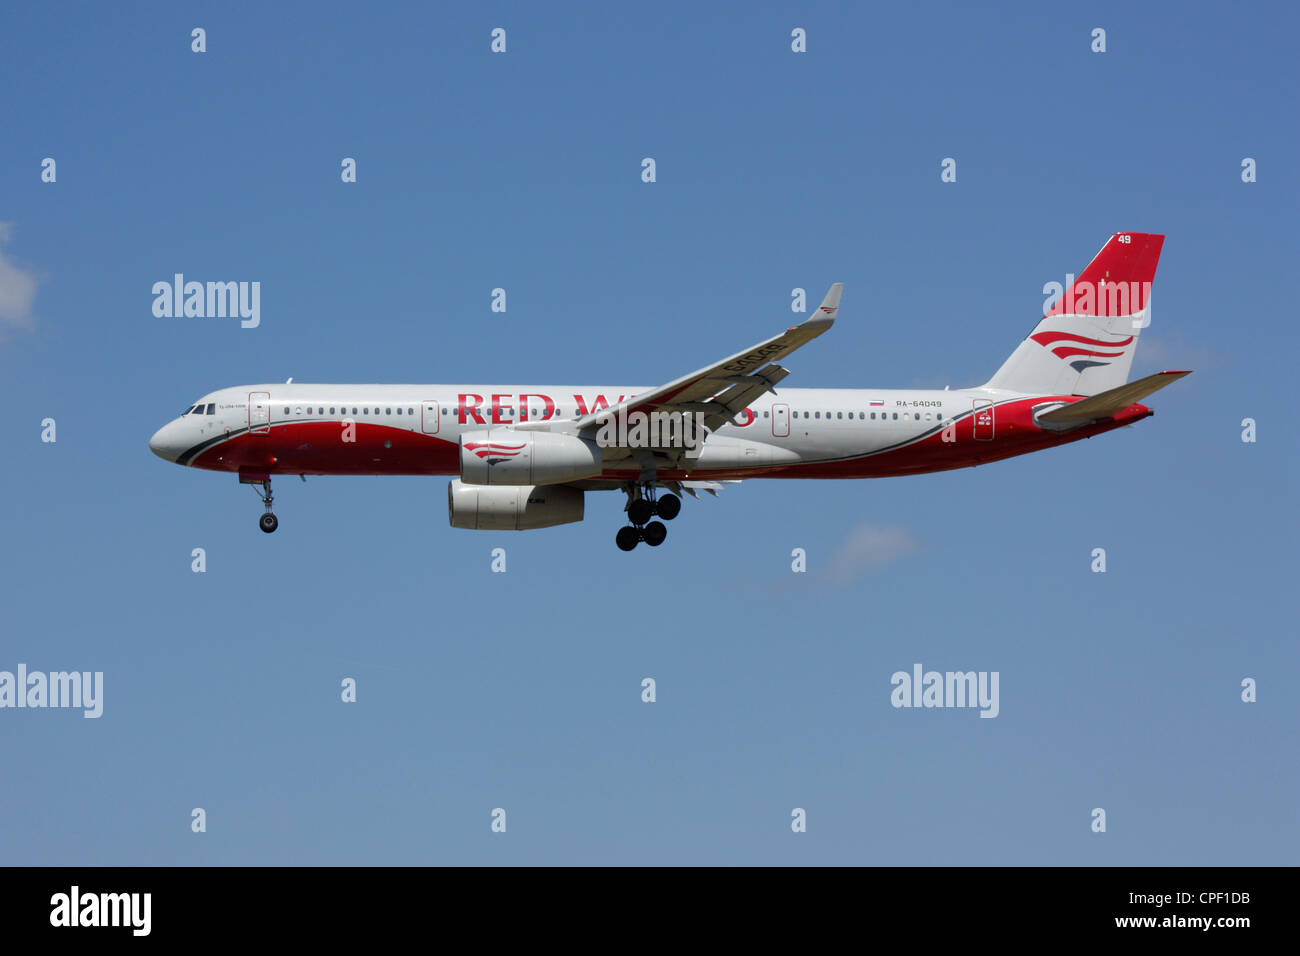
[410, 411]
[839, 414]
[298, 410]
[399, 411]
[308, 409]
[918, 416]
[895, 416]
[817, 415]
[388, 411]
[365, 411]
[765, 414]
[331, 409]
[286, 409]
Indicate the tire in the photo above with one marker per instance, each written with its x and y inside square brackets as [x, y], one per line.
[627, 538]
[654, 533]
[668, 507]
[268, 522]
[640, 511]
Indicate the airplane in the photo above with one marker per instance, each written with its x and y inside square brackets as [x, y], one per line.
[524, 456]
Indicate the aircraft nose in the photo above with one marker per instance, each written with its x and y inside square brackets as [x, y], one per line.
[166, 443]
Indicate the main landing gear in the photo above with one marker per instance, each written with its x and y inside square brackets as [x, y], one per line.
[642, 505]
[268, 522]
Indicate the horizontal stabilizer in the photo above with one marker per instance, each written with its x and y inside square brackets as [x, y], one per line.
[1107, 403]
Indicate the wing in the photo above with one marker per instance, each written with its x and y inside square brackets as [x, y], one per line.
[726, 388]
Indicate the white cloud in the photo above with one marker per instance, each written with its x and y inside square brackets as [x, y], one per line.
[17, 288]
[870, 548]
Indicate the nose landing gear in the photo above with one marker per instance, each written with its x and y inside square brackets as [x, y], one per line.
[642, 505]
[268, 522]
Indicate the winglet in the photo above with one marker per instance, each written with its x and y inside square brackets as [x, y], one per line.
[824, 317]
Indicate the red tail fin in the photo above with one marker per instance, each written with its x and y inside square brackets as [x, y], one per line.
[1086, 342]
[1118, 280]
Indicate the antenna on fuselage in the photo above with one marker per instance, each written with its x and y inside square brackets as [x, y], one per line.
[289, 380]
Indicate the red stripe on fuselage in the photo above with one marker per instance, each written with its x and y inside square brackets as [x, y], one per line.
[1015, 434]
[317, 448]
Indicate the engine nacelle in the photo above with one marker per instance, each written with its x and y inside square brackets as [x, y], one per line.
[507, 456]
[520, 508]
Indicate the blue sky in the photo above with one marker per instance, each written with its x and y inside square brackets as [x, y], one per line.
[521, 690]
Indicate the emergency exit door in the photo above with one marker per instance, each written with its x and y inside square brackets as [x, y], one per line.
[429, 418]
[780, 421]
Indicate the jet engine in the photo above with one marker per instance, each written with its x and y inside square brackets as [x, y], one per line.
[507, 456]
[519, 508]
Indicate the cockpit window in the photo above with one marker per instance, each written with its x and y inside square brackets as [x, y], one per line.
[187, 411]
[212, 408]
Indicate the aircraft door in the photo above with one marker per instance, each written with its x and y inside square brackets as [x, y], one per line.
[983, 429]
[780, 421]
[259, 413]
[429, 418]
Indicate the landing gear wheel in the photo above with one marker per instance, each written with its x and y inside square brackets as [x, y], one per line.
[654, 533]
[668, 507]
[268, 522]
[627, 538]
[640, 511]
